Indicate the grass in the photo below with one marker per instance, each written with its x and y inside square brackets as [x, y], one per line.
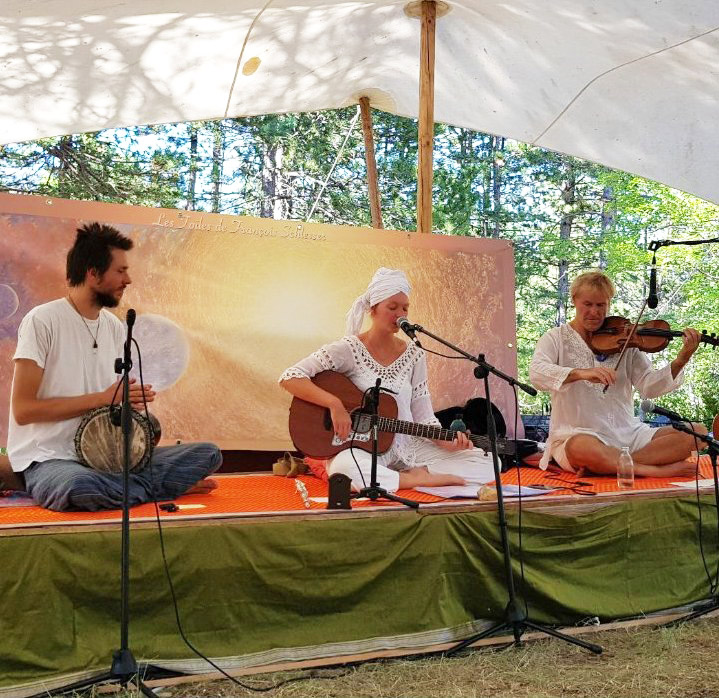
[644, 662]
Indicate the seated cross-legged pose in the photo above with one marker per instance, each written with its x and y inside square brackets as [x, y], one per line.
[589, 426]
[363, 357]
[64, 367]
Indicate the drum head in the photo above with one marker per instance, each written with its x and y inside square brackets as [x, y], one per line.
[99, 443]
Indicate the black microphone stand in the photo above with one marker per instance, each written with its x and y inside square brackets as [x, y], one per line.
[712, 443]
[515, 617]
[654, 245]
[374, 491]
[713, 446]
[124, 667]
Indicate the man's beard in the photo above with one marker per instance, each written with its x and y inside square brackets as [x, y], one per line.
[105, 300]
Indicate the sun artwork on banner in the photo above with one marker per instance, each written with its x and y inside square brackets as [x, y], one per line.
[224, 304]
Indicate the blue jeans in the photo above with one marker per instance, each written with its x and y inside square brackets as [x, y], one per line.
[65, 485]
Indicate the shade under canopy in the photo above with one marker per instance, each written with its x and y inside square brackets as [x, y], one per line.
[633, 84]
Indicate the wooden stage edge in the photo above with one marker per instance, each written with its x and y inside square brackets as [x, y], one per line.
[327, 662]
[552, 504]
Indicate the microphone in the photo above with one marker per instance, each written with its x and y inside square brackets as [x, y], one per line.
[130, 319]
[120, 415]
[653, 299]
[407, 327]
[649, 406]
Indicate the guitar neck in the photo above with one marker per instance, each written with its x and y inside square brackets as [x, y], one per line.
[431, 431]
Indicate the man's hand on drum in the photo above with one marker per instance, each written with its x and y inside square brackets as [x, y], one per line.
[459, 443]
[136, 391]
[113, 394]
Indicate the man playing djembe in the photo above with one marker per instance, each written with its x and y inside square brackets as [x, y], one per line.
[64, 367]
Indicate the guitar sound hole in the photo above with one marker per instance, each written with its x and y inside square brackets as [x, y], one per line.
[327, 421]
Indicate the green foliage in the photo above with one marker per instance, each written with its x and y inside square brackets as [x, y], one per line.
[563, 215]
[107, 166]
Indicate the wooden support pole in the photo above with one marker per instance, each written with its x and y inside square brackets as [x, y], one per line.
[426, 117]
[375, 203]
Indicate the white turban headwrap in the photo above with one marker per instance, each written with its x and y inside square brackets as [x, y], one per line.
[385, 283]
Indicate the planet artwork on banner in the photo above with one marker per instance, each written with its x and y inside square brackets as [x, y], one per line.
[164, 349]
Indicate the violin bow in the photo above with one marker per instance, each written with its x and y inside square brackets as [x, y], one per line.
[629, 338]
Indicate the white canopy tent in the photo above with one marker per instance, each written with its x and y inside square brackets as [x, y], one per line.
[633, 84]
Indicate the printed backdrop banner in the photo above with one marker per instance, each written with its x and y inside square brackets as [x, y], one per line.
[225, 303]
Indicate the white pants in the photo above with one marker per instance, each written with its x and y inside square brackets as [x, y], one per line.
[557, 447]
[470, 464]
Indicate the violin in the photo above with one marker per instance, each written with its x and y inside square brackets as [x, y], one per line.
[651, 336]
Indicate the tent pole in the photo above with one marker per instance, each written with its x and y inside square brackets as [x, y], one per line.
[426, 117]
[374, 197]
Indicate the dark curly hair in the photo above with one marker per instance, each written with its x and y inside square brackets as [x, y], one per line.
[93, 250]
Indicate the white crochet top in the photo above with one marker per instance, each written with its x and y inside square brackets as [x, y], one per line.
[406, 375]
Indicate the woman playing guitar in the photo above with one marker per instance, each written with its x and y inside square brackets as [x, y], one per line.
[411, 461]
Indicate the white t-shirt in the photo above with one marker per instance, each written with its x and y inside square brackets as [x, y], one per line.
[54, 336]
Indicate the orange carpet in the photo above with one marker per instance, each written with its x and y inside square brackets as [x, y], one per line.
[236, 494]
[535, 476]
[255, 494]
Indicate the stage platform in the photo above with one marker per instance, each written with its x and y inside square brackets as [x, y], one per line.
[262, 579]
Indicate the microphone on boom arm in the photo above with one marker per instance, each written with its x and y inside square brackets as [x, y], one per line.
[408, 328]
[649, 406]
[653, 298]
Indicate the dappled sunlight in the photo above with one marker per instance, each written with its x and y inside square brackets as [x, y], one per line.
[572, 77]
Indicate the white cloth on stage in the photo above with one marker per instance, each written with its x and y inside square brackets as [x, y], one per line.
[407, 377]
[582, 407]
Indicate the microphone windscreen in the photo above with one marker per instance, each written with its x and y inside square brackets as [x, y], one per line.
[653, 299]
[131, 317]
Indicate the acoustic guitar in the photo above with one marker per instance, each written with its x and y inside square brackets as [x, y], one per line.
[313, 434]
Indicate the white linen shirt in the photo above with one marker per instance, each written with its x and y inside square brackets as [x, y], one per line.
[584, 407]
[406, 375]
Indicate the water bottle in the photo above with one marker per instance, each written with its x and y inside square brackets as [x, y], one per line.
[625, 470]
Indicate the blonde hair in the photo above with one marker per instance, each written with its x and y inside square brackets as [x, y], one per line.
[596, 280]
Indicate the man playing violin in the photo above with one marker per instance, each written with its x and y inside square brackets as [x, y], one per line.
[590, 425]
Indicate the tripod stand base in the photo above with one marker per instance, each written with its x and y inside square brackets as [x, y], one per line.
[374, 492]
[517, 628]
[122, 663]
[712, 605]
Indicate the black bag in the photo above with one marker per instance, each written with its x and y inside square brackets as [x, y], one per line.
[474, 414]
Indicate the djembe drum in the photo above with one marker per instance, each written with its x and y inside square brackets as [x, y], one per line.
[99, 442]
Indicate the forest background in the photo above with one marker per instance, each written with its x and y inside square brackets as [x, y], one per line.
[563, 215]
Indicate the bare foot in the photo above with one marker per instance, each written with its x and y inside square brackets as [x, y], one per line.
[203, 487]
[682, 468]
[421, 477]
